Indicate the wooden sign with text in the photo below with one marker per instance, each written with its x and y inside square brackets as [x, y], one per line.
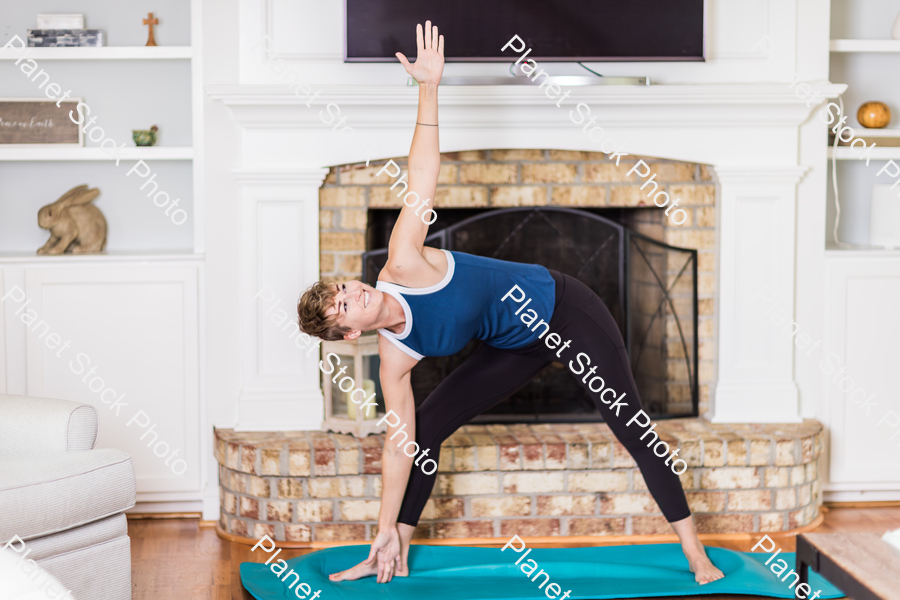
[35, 121]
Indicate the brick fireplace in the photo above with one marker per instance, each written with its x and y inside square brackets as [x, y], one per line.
[511, 178]
[577, 481]
[573, 480]
[305, 196]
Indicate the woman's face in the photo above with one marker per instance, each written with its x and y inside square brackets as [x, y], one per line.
[358, 306]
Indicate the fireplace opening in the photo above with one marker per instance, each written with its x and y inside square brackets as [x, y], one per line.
[650, 288]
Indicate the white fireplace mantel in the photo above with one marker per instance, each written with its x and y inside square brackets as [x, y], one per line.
[686, 122]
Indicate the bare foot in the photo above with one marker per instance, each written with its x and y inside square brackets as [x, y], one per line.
[358, 572]
[363, 570]
[704, 571]
[701, 567]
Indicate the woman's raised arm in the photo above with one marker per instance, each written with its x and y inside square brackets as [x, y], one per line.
[424, 153]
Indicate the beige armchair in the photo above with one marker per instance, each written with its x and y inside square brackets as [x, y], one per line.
[63, 498]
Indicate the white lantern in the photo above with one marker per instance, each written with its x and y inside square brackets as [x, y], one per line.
[347, 392]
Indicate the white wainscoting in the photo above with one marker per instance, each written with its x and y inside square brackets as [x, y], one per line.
[136, 324]
[280, 254]
[861, 332]
[756, 252]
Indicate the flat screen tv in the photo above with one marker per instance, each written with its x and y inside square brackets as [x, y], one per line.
[555, 30]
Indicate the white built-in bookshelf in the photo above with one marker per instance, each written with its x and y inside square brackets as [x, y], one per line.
[28, 153]
[865, 58]
[846, 153]
[135, 309]
[865, 45]
[128, 86]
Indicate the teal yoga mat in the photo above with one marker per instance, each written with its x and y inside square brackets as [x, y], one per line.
[453, 573]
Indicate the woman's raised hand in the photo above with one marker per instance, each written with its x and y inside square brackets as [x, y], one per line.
[429, 56]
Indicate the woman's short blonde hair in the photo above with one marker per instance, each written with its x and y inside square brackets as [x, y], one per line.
[311, 312]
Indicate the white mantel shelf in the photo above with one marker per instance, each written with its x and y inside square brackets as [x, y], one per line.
[687, 122]
[505, 108]
[504, 95]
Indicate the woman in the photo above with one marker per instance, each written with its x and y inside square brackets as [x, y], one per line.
[431, 302]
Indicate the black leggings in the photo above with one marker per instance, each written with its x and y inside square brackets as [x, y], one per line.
[490, 375]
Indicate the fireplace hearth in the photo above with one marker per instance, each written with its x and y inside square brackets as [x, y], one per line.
[628, 270]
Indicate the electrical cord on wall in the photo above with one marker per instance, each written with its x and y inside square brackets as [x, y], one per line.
[837, 203]
[513, 68]
[591, 70]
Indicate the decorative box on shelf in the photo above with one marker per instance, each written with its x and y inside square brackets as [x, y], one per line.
[351, 385]
[65, 38]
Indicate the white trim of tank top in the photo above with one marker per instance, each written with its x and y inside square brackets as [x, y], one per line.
[406, 349]
[451, 267]
[397, 291]
[386, 288]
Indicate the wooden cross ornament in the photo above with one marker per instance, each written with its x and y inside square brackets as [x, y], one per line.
[151, 41]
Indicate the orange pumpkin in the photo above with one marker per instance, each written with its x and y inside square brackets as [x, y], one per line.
[874, 115]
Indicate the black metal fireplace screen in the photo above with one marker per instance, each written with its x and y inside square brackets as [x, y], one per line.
[650, 288]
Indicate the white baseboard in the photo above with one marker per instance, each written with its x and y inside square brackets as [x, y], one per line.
[862, 496]
[194, 506]
[211, 505]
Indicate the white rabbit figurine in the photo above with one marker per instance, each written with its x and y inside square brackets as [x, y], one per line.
[75, 225]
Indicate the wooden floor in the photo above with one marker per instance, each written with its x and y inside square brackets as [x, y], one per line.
[176, 559]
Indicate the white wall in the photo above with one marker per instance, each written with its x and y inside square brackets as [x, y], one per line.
[863, 19]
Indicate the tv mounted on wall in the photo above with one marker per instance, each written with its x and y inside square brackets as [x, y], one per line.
[556, 30]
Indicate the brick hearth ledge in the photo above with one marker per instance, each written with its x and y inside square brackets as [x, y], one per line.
[532, 480]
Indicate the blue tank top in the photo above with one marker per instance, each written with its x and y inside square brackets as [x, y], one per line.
[466, 304]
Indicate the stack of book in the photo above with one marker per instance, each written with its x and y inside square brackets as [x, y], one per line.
[57, 31]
